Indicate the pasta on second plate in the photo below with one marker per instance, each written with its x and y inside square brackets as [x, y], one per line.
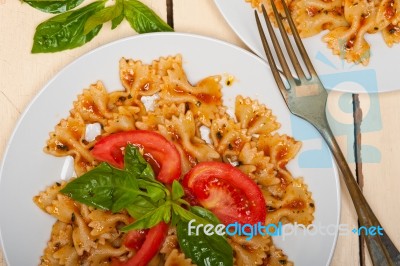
[84, 235]
[347, 23]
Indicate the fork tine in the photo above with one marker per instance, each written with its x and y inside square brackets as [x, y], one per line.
[298, 41]
[287, 73]
[289, 48]
[274, 68]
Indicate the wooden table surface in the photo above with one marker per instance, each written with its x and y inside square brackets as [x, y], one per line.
[368, 136]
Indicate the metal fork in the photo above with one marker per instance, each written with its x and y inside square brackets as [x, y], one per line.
[306, 98]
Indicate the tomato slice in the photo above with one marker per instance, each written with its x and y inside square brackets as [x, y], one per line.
[135, 238]
[226, 191]
[160, 152]
[151, 245]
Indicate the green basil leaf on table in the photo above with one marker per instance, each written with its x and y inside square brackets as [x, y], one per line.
[104, 187]
[65, 31]
[117, 20]
[136, 164]
[162, 213]
[177, 190]
[201, 248]
[54, 6]
[142, 19]
[102, 16]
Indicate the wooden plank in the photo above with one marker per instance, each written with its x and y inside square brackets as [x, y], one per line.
[347, 248]
[202, 17]
[357, 115]
[170, 12]
[2, 260]
[341, 120]
[9, 116]
[380, 155]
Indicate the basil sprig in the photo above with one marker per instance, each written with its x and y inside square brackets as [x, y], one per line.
[133, 188]
[150, 202]
[76, 27]
[109, 188]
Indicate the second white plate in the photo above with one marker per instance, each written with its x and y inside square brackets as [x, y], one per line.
[380, 75]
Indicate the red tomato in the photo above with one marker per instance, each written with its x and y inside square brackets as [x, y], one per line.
[152, 244]
[161, 152]
[135, 238]
[226, 191]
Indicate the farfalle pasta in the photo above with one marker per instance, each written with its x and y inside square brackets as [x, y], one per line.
[347, 23]
[84, 235]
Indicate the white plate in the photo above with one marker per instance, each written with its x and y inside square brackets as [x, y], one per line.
[26, 169]
[380, 75]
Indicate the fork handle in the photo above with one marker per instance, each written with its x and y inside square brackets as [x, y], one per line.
[381, 249]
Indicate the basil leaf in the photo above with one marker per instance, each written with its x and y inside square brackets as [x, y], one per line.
[116, 21]
[65, 31]
[136, 164]
[54, 6]
[206, 214]
[102, 16]
[140, 206]
[104, 187]
[150, 219]
[142, 19]
[167, 215]
[204, 249]
[175, 218]
[139, 167]
[177, 190]
[155, 190]
[186, 215]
